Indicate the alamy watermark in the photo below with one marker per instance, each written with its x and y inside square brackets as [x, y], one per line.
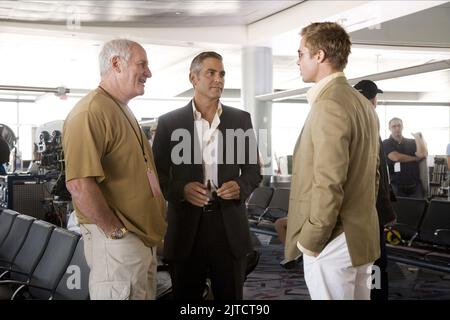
[73, 281]
[374, 281]
[241, 147]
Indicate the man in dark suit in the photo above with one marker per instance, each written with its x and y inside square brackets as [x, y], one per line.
[385, 209]
[207, 160]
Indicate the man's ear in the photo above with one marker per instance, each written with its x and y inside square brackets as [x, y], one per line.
[192, 78]
[320, 56]
[116, 63]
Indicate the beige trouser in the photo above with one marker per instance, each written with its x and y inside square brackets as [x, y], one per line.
[120, 269]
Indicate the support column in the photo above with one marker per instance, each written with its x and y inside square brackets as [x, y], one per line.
[257, 79]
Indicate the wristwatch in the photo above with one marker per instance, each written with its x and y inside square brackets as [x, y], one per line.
[118, 233]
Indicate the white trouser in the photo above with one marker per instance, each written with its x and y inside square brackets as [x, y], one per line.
[120, 269]
[331, 276]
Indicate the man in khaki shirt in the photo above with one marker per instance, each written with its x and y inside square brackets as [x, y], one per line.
[332, 218]
[111, 175]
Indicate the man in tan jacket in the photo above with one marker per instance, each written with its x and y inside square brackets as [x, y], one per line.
[332, 217]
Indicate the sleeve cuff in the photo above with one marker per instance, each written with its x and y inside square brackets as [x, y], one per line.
[313, 237]
[306, 251]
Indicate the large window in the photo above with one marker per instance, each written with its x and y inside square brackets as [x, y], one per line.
[155, 108]
[26, 118]
[23, 118]
[432, 121]
[287, 122]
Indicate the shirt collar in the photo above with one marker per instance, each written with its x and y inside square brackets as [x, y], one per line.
[314, 92]
[401, 139]
[198, 115]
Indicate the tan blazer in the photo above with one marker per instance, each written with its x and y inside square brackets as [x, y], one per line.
[335, 176]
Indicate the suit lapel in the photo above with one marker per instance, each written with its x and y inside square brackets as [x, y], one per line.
[189, 124]
[297, 144]
[221, 152]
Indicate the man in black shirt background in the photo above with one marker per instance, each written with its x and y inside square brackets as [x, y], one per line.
[403, 157]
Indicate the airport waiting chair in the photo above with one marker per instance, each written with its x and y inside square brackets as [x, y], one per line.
[400, 237]
[14, 240]
[410, 213]
[439, 260]
[265, 181]
[74, 285]
[438, 219]
[252, 262]
[435, 228]
[283, 182]
[27, 258]
[258, 202]
[31, 251]
[6, 220]
[430, 250]
[278, 206]
[50, 269]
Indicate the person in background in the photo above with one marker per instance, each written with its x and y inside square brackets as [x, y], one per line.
[403, 157]
[385, 209]
[111, 176]
[208, 234]
[332, 219]
[4, 155]
[281, 226]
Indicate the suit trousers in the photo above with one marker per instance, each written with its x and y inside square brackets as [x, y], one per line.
[382, 291]
[122, 269]
[331, 276]
[211, 258]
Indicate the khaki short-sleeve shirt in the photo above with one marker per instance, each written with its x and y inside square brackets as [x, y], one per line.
[100, 142]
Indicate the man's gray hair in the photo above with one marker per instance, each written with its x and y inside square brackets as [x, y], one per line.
[113, 48]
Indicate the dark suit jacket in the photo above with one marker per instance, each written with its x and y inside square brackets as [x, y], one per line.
[183, 217]
[386, 212]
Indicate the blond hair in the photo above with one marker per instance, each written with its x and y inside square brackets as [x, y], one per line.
[332, 39]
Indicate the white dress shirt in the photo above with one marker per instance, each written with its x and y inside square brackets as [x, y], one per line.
[208, 136]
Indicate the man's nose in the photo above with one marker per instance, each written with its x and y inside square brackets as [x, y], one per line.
[148, 73]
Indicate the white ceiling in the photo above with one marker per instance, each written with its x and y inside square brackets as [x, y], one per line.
[152, 14]
[55, 43]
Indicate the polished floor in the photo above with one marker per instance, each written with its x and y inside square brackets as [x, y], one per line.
[270, 281]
